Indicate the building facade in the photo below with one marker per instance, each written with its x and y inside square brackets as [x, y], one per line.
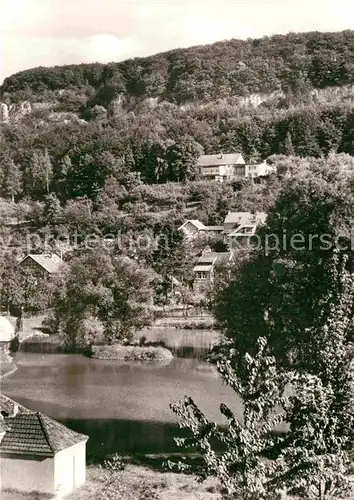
[221, 167]
[39, 454]
[41, 266]
[206, 267]
[230, 167]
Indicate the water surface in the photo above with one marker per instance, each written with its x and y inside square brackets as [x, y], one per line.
[122, 406]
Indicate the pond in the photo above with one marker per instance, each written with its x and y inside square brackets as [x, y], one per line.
[123, 407]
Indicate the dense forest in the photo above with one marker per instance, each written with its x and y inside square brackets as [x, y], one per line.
[294, 62]
[89, 123]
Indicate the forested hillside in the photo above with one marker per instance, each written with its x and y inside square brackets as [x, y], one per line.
[95, 149]
[79, 139]
[295, 62]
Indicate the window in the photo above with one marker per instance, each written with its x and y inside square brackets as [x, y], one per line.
[202, 275]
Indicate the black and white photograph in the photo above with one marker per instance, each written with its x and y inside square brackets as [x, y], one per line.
[176, 249]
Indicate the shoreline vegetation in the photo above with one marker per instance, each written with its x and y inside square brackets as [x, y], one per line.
[131, 353]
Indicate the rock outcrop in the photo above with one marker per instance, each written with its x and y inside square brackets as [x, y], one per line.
[4, 112]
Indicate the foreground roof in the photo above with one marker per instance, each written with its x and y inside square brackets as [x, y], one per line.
[35, 433]
[51, 263]
[219, 159]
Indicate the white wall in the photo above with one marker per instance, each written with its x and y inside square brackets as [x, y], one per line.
[70, 467]
[25, 474]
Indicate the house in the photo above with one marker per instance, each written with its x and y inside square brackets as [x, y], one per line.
[259, 170]
[221, 167]
[37, 453]
[41, 265]
[7, 333]
[193, 228]
[230, 167]
[206, 267]
[239, 227]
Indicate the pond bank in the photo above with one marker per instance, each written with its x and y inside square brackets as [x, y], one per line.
[136, 483]
[7, 365]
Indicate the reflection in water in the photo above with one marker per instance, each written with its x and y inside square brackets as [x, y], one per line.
[122, 406]
[127, 437]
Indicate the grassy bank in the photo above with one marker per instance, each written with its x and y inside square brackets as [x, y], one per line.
[135, 483]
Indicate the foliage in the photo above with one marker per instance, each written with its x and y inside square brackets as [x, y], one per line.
[290, 276]
[240, 466]
[114, 464]
[102, 293]
[313, 459]
[318, 449]
[294, 62]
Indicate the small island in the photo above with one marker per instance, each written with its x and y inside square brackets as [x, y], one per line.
[132, 353]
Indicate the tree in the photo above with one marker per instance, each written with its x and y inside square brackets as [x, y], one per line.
[62, 187]
[313, 459]
[100, 289]
[288, 145]
[181, 159]
[290, 272]
[235, 453]
[39, 174]
[52, 209]
[89, 330]
[12, 180]
[317, 452]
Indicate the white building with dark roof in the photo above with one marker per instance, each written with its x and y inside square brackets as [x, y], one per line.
[39, 454]
[221, 167]
[229, 167]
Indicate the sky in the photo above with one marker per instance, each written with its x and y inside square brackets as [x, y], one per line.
[54, 32]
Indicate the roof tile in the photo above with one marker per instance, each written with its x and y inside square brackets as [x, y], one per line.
[34, 433]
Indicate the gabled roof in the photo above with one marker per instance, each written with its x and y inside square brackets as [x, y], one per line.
[208, 258]
[199, 225]
[212, 258]
[240, 218]
[220, 159]
[51, 263]
[34, 433]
